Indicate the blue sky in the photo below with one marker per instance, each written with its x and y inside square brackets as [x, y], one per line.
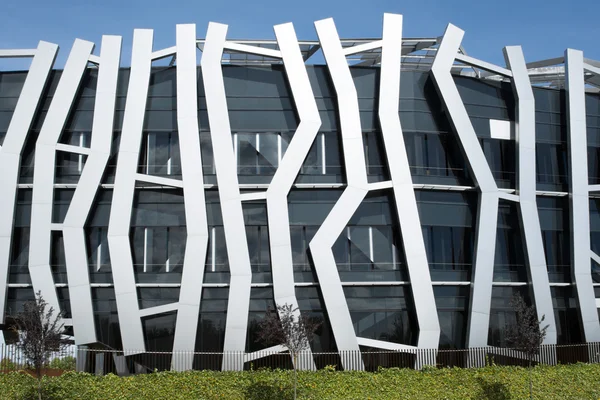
[544, 28]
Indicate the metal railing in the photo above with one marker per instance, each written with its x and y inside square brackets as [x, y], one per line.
[103, 361]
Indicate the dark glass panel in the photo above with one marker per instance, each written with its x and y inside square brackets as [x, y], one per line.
[452, 307]
[261, 300]
[19, 256]
[153, 296]
[502, 313]
[382, 313]
[311, 304]
[566, 313]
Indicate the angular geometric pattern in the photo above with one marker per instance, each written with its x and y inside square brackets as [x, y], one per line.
[206, 80]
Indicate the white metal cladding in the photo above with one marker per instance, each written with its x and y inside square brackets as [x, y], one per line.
[352, 197]
[44, 166]
[489, 196]
[526, 181]
[579, 196]
[193, 191]
[289, 51]
[85, 193]
[11, 151]
[229, 195]
[487, 212]
[289, 167]
[404, 195]
[123, 193]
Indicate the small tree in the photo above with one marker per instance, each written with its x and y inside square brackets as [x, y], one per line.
[525, 335]
[295, 333]
[40, 334]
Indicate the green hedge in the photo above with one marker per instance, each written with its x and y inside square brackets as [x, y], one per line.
[579, 381]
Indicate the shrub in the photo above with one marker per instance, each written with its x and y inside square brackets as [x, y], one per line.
[65, 364]
[577, 381]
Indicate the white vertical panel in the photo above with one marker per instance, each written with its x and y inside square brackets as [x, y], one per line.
[406, 203]
[193, 190]
[123, 193]
[289, 167]
[354, 161]
[229, 195]
[44, 170]
[579, 195]
[526, 186]
[83, 198]
[487, 213]
[11, 151]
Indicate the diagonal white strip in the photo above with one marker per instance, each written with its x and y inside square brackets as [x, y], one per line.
[44, 170]
[380, 344]
[526, 186]
[592, 69]
[473, 62]
[196, 245]
[276, 195]
[83, 198]
[229, 195]
[72, 149]
[123, 193]
[260, 51]
[18, 53]
[579, 195]
[359, 48]
[165, 308]
[355, 192]
[487, 213]
[159, 180]
[10, 153]
[406, 202]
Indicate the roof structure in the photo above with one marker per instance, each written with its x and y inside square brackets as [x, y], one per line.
[417, 54]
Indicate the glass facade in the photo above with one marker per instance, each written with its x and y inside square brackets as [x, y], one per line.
[368, 252]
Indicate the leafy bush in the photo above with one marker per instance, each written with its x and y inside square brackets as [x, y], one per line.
[578, 381]
[7, 364]
[65, 364]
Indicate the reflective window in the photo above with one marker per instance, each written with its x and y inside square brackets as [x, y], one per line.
[16, 298]
[157, 296]
[449, 252]
[375, 157]
[509, 261]
[98, 254]
[70, 165]
[382, 313]
[311, 303]
[160, 154]
[370, 248]
[158, 236]
[257, 235]
[567, 317]
[58, 263]
[211, 322]
[551, 163]
[261, 300]
[433, 154]
[324, 161]
[500, 155]
[452, 307]
[159, 333]
[19, 256]
[502, 313]
[106, 317]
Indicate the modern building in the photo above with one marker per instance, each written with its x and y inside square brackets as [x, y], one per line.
[396, 188]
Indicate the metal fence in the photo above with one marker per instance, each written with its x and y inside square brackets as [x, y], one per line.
[101, 361]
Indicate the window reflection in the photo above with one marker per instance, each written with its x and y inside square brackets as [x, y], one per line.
[382, 313]
[452, 307]
[160, 154]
